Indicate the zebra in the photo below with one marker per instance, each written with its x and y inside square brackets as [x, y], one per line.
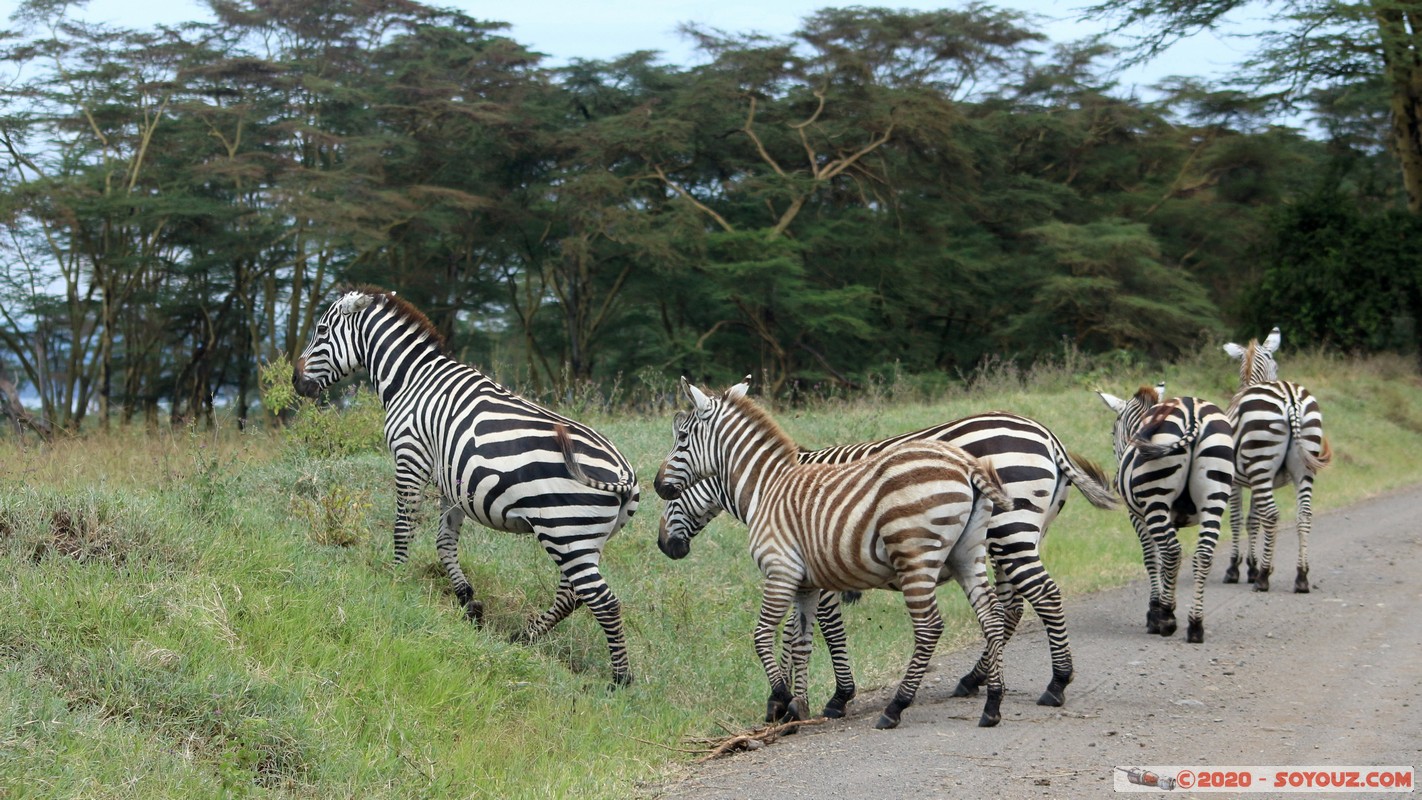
[1175, 468]
[1278, 430]
[496, 457]
[1033, 465]
[900, 520]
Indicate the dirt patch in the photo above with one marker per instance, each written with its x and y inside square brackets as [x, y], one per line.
[1326, 678]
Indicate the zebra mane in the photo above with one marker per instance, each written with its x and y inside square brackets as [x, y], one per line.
[1148, 396]
[406, 310]
[761, 419]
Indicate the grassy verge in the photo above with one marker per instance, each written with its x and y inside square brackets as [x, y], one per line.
[215, 615]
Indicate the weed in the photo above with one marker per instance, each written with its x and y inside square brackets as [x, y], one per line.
[335, 516]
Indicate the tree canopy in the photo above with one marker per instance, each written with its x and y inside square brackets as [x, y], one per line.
[881, 189]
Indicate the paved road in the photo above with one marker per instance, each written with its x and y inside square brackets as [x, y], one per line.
[1333, 677]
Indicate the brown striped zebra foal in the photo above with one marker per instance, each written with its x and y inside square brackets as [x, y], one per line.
[1032, 464]
[902, 520]
[1278, 433]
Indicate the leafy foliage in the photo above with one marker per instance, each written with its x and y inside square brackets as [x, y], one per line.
[934, 190]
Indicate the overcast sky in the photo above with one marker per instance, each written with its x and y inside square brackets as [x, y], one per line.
[599, 29]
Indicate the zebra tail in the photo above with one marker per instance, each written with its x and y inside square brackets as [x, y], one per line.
[1151, 450]
[623, 489]
[850, 596]
[986, 479]
[1089, 479]
[1313, 463]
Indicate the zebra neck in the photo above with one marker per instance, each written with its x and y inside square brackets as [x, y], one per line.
[394, 356]
[749, 468]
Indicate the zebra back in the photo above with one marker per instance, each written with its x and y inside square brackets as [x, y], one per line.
[1021, 451]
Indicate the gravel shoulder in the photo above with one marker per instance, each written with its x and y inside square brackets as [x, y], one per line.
[1333, 677]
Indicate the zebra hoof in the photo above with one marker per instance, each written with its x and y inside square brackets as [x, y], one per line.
[1153, 617]
[967, 686]
[474, 612]
[1301, 582]
[620, 680]
[836, 707]
[889, 719]
[1166, 621]
[779, 707]
[799, 709]
[1231, 574]
[1261, 583]
[992, 710]
[1055, 696]
[1195, 631]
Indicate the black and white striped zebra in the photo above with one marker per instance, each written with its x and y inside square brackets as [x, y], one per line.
[496, 457]
[903, 520]
[1278, 438]
[1175, 468]
[1032, 464]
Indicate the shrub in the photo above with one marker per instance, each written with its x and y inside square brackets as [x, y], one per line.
[353, 425]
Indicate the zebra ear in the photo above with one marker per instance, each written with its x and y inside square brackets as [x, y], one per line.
[739, 390]
[1160, 392]
[353, 302]
[1112, 401]
[1271, 342]
[1235, 351]
[698, 398]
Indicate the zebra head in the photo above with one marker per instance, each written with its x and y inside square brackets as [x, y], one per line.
[686, 515]
[1129, 415]
[690, 458]
[1256, 361]
[331, 353]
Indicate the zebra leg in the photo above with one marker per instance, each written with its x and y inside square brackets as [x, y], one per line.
[919, 588]
[1011, 603]
[447, 545]
[1210, 522]
[1269, 524]
[971, 571]
[801, 644]
[1167, 548]
[1046, 599]
[1304, 488]
[577, 559]
[1152, 565]
[1252, 530]
[408, 486]
[831, 620]
[564, 602]
[776, 598]
[1236, 529]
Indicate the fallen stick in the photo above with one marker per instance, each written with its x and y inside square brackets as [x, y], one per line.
[764, 735]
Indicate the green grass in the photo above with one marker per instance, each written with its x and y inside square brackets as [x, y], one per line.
[192, 615]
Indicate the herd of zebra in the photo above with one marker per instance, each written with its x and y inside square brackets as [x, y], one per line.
[905, 513]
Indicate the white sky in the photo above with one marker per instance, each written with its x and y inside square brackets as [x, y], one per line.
[599, 29]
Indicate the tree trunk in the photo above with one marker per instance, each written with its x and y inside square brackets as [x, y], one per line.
[1401, 35]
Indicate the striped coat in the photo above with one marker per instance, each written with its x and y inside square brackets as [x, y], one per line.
[497, 458]
[902, 520]
[1278, 430]
[1033, 465]
[1175, 469]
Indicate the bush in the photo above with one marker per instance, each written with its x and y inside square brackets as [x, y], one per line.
[354, 425]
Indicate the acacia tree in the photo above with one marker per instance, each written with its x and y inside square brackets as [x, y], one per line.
[778, 128]
[79, 133]
[1312, 43]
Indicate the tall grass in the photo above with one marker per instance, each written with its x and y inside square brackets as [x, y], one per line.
[215, 614]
